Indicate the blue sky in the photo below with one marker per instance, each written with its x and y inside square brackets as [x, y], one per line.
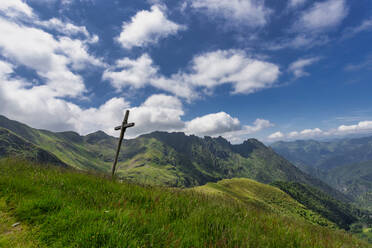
[274, 70]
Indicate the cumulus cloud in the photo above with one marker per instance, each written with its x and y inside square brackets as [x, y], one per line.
[147, 27]
[361, 126]
[245, 12]
[157, 113]
[276, 135]
[239, 136]
[311, 132]
[223, 124]
[246, 74]
[207, 71]
[322, 16]
[53, 59]
[40, 54]
[304, 134]
[298, 67]
[141, 72]
[12, 8]
[213, 124]
[135, 73]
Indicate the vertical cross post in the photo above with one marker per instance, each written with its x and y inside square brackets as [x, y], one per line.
[123, 128]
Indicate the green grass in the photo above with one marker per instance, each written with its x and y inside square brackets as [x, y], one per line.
[265, 197]
[10, 236]
[64, 208]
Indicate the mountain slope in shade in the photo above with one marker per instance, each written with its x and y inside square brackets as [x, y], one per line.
[323, 156]
[354, 180]
[82, 152]
[171, 159]
[345, 164]
[338, 212]
[11, 145]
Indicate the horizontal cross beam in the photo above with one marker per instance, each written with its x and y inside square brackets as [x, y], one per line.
[124, 126]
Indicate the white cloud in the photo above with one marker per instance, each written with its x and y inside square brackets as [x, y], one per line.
[13, 8]
[157, 113]
[50, 58]
[141, 72]
[361, 126]
[247, 75]
[5, 69]
[276, 135]
[322, 16]
[77, 53]
[293, 134]
[68, 29]
[36, 49]
[311, 132]
[366, 25]
[223, 124]
[342, 130]
[176, 85]
[244, 12]
[147, 27]
[207, 71]
[304, 134]
[296, 3]
[135, 73]
[298, 67]
[213, 124]
[239, 136]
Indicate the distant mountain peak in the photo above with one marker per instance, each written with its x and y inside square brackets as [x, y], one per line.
[96, 137]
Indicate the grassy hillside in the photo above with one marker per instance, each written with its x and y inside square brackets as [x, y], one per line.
[63, 208]
[171, 159]
[263, 196]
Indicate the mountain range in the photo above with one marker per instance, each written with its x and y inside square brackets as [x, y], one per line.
[345, 164]
[169, 159]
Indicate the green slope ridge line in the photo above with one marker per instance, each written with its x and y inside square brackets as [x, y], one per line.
[264, 197]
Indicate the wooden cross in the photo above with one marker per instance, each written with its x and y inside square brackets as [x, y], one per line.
[123, 128]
